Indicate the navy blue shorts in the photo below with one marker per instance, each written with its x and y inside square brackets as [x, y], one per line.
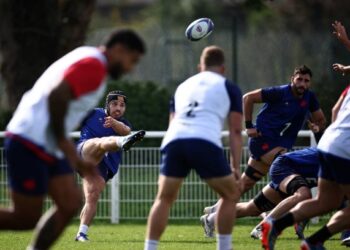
[334, 168]
[207, 159]
[282, 167]
[30, 168]
[279, 170]
[258, 146]
[106, 172]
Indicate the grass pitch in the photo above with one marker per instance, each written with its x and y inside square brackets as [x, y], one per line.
[127, 236]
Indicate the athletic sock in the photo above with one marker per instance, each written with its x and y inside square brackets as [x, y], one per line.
[284, 222]
[224, 241]
[320, 236]
[83, 229]
[119, 141]
[151, 244]
[211, 218]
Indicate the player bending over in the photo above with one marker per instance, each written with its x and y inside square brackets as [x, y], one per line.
[292, 175]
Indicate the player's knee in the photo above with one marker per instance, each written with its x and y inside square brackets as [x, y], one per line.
[232, 196]
[263, 203]
[72, 205]
[253, 174]
[296, 184]
[27, 224]
[25, 221]
[92, 195]
[168, 198]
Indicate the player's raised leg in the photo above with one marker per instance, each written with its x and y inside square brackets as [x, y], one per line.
[94, 149]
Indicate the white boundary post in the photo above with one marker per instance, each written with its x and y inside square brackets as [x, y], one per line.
[115, 199]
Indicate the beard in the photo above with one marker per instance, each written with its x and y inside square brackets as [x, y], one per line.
[116, 71]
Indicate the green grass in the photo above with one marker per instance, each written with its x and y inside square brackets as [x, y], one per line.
[187, 235]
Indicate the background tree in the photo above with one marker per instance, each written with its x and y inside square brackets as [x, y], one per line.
[33, 34]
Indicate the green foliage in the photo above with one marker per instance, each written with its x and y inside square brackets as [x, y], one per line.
[5, 117]
[147, 106]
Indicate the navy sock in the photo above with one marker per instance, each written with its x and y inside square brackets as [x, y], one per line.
[284, 222]
[320, 236]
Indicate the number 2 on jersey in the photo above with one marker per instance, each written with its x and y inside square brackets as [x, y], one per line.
[286, 126]
[192, 106]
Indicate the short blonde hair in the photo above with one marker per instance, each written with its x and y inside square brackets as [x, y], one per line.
[212, 56]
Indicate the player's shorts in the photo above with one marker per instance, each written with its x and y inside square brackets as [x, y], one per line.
[105, 171]
[281, 168]
[334, 168]
[30, 168]
[259, 146]
[182, 155]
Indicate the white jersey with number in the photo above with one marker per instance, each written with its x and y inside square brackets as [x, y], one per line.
[336, 138]
[202, 103]
[84, 70]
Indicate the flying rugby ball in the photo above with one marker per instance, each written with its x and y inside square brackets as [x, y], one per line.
[199, 29]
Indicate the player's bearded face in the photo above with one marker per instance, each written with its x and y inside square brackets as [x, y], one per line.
[300, 84]
[117, 107]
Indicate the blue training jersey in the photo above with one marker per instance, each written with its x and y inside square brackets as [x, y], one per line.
[92, 127]
[305, 161]
[283, 114]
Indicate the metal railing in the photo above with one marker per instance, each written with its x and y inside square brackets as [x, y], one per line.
[131, 192]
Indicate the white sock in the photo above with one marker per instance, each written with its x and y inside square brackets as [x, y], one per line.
[211, 218]
[119, 141]
[151, 244]
[224, 241]
[83, 229]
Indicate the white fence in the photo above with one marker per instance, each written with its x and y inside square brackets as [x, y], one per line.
[130, 194]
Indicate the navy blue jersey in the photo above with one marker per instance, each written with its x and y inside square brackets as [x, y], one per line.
[305, 162]
[283, 115]
[92, 127]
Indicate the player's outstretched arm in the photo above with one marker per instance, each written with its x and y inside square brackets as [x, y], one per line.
[340, 33]
[341, 68]
[118, 127]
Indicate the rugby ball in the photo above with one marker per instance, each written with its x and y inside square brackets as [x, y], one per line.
[199, 29]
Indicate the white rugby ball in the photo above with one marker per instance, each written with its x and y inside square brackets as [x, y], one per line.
[199, 29]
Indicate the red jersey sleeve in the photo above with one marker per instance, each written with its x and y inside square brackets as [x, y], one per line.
[343, 94]
[85, 76]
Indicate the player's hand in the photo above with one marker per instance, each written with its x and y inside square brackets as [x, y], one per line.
[339, 68]
[313, 127]
[340, 32]
[109, 122]
[252, 132]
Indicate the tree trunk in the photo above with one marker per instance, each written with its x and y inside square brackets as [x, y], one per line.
[33, 34]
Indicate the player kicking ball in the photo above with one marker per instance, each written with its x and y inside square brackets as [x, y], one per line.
[104, 135]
